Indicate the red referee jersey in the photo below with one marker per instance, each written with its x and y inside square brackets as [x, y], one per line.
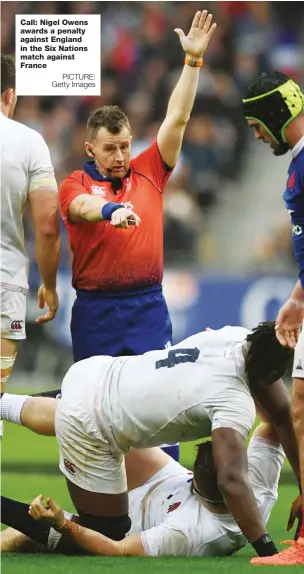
[109, 259]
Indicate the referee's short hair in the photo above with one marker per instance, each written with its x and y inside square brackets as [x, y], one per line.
[8, 75]
[113, 118]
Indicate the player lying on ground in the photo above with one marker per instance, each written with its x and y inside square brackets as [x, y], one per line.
[172, 514]
[203, 386]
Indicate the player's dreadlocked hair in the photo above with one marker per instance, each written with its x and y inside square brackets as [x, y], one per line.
[267, 360]
[205, 475]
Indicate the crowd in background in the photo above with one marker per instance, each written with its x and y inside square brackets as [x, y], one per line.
[141, 61]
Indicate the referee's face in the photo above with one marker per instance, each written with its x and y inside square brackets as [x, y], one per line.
[111, 152]
[261, 133]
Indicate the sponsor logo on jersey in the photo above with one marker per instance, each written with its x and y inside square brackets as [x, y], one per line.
[69, 466]
[16, 325]
[97, 190]
[299, 366]
[128, 205]
[173, 506]
[291, 180]
[297, 230]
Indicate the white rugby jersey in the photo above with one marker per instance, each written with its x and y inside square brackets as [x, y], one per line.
[25, 166]
[169, 396]
[174, 521]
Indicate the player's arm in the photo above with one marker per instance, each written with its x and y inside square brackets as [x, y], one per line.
[78, 537]
[171, 132]
[230, 457]
[291, 315]
[43, 203]
[274, 403]
[94, 543]
[44, 213]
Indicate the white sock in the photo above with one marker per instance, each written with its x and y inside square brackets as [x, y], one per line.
[11, 407]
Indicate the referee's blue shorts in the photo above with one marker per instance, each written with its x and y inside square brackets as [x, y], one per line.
[124, 323]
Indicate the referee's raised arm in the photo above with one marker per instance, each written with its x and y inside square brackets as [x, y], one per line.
[171, 132]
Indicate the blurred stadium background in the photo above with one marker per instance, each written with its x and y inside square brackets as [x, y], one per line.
[228, 251]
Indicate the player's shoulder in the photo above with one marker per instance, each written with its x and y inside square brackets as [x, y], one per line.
[225, 334]
[24, 132]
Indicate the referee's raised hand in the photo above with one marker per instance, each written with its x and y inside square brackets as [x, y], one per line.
[199, 36]
[48, 297]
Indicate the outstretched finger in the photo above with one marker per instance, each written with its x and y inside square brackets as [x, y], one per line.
[207, 23]
[41, 300]
[211, 31]
[38, 500]
[49, 316]
[196, 19]
[290, 339]
[280, 336]
[51, 504]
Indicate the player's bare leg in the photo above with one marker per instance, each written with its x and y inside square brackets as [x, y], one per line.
[298, 422]
[38, 415]
[8, 352]
[35, 413]
[142, 464]
[12, 540]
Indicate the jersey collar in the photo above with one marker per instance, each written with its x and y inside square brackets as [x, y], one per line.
[90, 169]
[297, 148]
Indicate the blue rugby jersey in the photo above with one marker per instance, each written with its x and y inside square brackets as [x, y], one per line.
[294, 200]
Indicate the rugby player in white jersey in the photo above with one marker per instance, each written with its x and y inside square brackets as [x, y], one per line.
[27, 177]
[204, 386]
[170, 515]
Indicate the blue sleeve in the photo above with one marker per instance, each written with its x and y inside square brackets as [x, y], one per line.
[294, 199]
[298, 242]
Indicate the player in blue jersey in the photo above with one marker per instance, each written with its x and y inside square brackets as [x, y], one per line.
[274, 108]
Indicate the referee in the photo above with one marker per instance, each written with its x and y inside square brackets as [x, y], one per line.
[118, 268]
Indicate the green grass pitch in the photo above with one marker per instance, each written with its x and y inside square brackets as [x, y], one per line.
[29, 467]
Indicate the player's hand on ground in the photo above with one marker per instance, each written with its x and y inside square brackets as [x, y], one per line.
[201, 32]
[124, 217]
[50, 514]
[289, 323]
[47, 297]
[296, 514]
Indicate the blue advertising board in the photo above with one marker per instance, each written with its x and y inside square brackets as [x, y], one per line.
[197, 301]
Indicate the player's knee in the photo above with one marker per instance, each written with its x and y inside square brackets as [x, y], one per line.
[7, 364]
[114, 527]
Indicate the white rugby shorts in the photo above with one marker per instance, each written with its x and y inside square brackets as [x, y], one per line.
[13, 311]
[87, 458]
